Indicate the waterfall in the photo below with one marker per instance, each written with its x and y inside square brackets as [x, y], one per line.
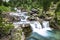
[46, 25]
[24, 16]
[35, 25]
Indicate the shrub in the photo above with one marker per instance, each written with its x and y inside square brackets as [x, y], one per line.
[5, 27]
[4, 9]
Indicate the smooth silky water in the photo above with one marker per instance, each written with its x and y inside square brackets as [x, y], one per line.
[45, 33]
[38, 33]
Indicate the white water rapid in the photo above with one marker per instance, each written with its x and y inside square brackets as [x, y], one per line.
[35, 25]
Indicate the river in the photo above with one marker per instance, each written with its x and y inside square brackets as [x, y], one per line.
[38, 33]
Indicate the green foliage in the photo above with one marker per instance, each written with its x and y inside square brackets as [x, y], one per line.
[46, 4]
[58, 8]
[28, 4]
[17, 34]
[6, 4]
[25, 3]
[1, 2]
[58, 15]
[5, 27]
[55, 1]
[5, 9]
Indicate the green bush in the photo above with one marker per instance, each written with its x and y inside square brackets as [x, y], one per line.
[5, 27]
[5, 9]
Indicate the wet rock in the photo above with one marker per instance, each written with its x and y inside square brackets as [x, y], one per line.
[23, 10]
[48, 18]
[32, 19]
[34, 10]
[6, 37]
[26, 30]
[10, 18]
[54, 25]
[16, 18]
[7, 17]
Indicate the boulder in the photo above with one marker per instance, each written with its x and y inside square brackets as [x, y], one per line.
[32, 19]
[27, 29]
[34, 10]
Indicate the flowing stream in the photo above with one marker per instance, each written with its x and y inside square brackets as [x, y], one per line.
[38, 31]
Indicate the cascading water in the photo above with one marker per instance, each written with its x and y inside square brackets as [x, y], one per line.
[24, 16]
[46, 25]
[35, 25]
